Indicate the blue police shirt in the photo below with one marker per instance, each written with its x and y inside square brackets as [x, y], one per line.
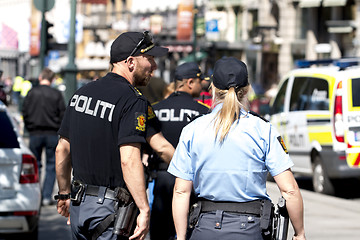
[235, 170]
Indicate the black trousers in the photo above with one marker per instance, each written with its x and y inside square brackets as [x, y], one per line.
[161, 220]
[227, 226]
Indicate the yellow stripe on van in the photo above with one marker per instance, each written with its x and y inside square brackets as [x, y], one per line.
[350, 99]
[318, 116]
[321, 134]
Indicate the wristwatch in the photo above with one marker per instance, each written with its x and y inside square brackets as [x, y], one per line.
[62, 196]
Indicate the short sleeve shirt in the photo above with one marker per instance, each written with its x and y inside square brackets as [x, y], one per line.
[100, 117]
[235, 170]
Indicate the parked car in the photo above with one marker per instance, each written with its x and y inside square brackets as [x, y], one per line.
[20, 194]
[317, 112]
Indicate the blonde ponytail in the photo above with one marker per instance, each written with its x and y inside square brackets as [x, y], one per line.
[230, 111]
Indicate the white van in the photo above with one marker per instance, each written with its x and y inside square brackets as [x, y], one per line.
[317, 112]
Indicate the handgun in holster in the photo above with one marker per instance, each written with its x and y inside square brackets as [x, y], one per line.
[280, 221]
[126, 213]
[77, 191]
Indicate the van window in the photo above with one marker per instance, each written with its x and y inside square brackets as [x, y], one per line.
[279, 101]
[355, 90]
[309, 94]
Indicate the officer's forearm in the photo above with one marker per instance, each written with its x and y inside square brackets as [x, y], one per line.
[161, 146]
[133, 174]
[63, 166]
[180, 206]
[294, 202]
[294, 205]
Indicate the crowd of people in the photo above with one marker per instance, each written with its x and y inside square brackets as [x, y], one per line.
[208, 154]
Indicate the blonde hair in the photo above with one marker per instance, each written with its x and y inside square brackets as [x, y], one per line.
[233, 101]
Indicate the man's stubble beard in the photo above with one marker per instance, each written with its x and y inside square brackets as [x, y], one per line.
[139, 77]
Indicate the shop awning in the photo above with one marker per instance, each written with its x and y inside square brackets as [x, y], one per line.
[333, 3]
[309, 3]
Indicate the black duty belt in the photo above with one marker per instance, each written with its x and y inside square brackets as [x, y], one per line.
[252, 207]
[94, 191]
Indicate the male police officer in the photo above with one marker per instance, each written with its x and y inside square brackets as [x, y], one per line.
[174, 113]
[100, 138]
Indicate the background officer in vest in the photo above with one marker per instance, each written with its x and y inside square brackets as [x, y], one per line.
[174, 113]
[104, 126]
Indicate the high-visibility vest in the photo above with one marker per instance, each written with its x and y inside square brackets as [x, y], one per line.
[17, 83]
[25, 88]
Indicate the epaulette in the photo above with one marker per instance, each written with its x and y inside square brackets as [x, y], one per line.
[136, 91]
[257, 115]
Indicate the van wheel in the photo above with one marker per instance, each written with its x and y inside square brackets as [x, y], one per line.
[321, 182]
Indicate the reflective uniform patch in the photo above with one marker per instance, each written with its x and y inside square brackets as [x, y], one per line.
[140, 122]
[281, 141]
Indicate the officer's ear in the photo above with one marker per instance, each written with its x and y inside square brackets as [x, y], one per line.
[190, 82]
[130, 62]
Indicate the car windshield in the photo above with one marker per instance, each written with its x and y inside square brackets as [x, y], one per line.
[8, 138]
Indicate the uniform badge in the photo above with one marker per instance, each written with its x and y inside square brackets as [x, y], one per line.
[140, 122]
[151, 113]
[281, 141]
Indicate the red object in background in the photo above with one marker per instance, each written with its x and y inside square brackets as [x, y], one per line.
[206, 98]
[260, 105]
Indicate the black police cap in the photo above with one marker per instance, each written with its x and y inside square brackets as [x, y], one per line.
[230, 72]
[127, 42]
[188, 70]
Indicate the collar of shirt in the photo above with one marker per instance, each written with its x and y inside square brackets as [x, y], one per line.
[219, 106]
[180, 93]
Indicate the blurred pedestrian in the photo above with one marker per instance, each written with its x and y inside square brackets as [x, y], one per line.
[25, 88]
[16, 89]
[174, 112]
[225, 156]
[104, 127]
[43, 110]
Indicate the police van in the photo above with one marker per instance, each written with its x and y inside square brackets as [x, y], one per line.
[317, 112]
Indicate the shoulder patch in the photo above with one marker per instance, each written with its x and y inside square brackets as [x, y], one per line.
[140, 121]
[257, 115]
[281, 141]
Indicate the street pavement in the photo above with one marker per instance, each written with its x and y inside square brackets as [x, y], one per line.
[326, 217]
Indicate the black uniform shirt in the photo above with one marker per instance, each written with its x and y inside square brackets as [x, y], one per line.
[101, 116]
[175, 112]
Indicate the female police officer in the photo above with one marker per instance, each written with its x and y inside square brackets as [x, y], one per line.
[226, 156]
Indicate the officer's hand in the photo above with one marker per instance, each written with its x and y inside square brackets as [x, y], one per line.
[299, 237]
[142, 226]
[63, 207]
